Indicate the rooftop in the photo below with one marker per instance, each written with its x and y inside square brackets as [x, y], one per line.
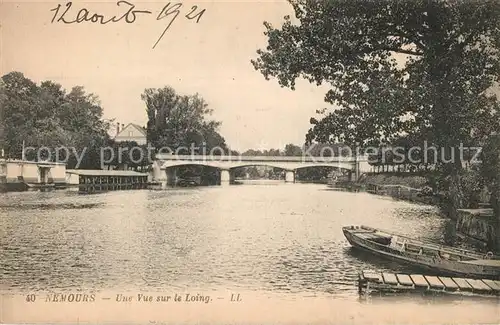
[137, 126]
[101, 172]
[19, 161]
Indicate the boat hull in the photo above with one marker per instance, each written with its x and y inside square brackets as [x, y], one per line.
[439, 265]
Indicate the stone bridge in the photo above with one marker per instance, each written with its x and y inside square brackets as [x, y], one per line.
[163, 170]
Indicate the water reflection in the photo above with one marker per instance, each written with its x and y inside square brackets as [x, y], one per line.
[284, 238]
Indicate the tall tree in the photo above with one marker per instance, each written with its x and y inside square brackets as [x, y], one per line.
[46, 115]
[180, 120]
[450, 54]
[3, 99]
[20, 107]
[490, 171]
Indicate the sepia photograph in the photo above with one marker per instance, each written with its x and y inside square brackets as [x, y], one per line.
[250, 162]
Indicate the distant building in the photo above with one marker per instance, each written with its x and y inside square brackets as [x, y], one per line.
[131, 132]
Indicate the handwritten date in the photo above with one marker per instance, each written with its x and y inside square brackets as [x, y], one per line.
[168, 13]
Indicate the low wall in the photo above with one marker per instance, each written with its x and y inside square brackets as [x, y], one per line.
[57, 174]
[16, 171]
[477, 224]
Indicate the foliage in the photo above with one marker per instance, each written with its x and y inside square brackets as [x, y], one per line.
[313, 150]
[267, 153]
[490, 171]
[440, 91]
[3, 99]
[408, 180]
[176, 121]
[472, 186]
[490, 156]
[292, 150]
[314, 173]
[46, 115]
[450, 55]
[327, 150]
[127, 154]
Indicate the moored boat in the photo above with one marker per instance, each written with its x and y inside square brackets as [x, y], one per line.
[444, 259]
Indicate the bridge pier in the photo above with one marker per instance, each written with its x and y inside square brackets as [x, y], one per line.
[290, 176]
[225, 164]
[160, 175]
[225, 177]
[171, 176]
[356, 171]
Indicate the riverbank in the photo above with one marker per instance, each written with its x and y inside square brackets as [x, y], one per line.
[411, 181]
[473, 225]
[477, 225]
[402, 187]
[293, 231]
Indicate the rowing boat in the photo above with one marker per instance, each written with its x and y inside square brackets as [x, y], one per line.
[444, 259]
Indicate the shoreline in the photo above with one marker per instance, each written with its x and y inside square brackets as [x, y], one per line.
[472, 225]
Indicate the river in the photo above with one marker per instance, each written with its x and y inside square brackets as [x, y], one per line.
[281, 240]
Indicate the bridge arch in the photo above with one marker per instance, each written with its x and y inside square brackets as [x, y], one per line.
[226, 165]
[181, 163]
[178, 173]
[257, 164]
[342, 168]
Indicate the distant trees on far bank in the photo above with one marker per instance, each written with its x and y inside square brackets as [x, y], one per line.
[291, 150]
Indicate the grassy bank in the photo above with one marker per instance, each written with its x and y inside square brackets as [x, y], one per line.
[399, 186]
[473, 223]
[412, 181]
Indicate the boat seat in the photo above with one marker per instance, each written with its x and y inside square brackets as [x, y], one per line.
[398, 244]
[413, 248]
[375, 238]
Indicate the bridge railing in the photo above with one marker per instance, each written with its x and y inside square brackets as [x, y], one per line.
[239, 158]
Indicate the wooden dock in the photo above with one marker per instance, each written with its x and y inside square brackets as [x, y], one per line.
[375, 282]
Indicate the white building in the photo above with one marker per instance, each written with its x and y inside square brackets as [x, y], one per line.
[131, 132]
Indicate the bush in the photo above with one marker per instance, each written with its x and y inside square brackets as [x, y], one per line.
[427, 191]
[472, 187]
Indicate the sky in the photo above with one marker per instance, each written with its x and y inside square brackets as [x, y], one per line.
[116, 61]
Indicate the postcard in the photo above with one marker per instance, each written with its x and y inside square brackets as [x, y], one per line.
[250, 162]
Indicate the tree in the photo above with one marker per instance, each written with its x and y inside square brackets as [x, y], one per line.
[490, 171]
[266, 153]
[3, 99]
[126, 154]
[176, 121]
[20, 106]
[450, 50]
[326, 150]
[315, 173]
[46, 115]
[292, 150]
